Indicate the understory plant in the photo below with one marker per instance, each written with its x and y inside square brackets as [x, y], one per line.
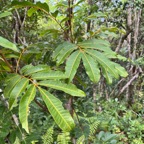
[44, 81]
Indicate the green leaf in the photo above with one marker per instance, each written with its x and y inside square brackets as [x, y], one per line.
[107, 76]
[10, 76]
[122, 72]
[72, 64]
[25, 68]
[98, 44]
[104, 62]
[42, 6]
[58, 49]
[96, 15]
[49, 31]
[67, 88]
[11, 82]
[49, 75]
[17, 90]
[61, 116]
[7, 44]
[5, 14]
[54, 14]
[65, 52]
[62, 50]
[12, 55]
[18, 4]
[31, 11]
[91, 67]
[24, 106]
[35, 69]
[114, 55]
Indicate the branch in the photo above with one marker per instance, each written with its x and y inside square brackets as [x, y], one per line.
[116, 86]
[128, 83]
[17, 66]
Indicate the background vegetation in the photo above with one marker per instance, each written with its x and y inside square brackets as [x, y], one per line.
[71, 72]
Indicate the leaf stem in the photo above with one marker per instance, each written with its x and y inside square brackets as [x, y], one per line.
[17, 65]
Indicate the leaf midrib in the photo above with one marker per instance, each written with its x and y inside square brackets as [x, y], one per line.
[65, 89]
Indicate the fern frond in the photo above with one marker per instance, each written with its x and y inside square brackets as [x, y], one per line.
[47, 137]
[81, 140]
[93, 128]
[63, 138]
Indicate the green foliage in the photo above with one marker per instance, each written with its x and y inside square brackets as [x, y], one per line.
[18, 85]
[91, 57]
[7, 44]
[38, 5]
[137, 141]
[106, 138]
[61, 116]
[81, 140]
[49, 75]
[47, 138]
[72, 64]
[24, 106]
[5, 14]
[17, 91]
[63, 138]
[67, 88]
[93, 129]
[63, 51]
[47, 50]
[91, 68]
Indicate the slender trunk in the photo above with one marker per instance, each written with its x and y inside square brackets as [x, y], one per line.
[129, 23]
[68, 36]
[132, 41]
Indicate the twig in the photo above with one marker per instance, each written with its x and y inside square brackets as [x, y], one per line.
[25, 14]
[18, 16]
[116, 86]
[17, 66]
[40, 105]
